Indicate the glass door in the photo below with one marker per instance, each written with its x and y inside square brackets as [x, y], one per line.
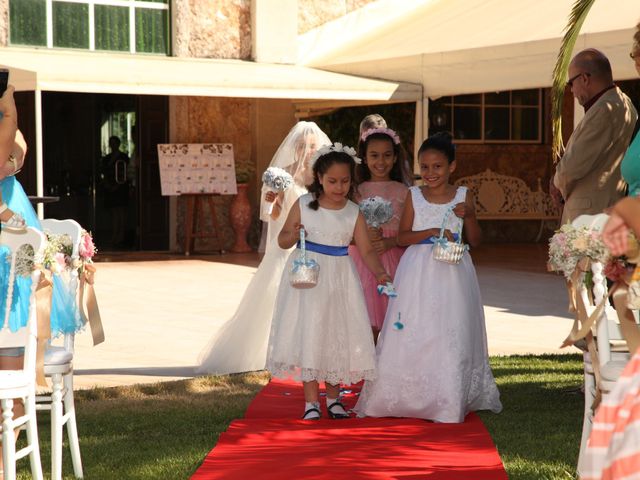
[90, 164]
[115, 196]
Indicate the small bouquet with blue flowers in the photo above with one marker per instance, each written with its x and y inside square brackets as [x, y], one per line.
[277, 180]
[376, 211]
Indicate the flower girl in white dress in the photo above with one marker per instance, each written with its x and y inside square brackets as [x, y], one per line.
[432, 351]
[323, 333]
[240, 345]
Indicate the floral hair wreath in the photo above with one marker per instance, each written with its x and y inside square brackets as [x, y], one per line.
[386, 131]
[336, 147]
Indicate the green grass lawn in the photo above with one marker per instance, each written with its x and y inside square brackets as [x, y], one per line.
[538, 432]
[163, 431]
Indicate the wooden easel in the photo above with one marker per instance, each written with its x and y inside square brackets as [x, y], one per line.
[196, 217]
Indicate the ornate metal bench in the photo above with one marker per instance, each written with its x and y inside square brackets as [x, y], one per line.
[501, 197]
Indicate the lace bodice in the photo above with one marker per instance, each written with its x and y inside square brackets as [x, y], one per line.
[393, 191]
[329, 227]
[429, 215]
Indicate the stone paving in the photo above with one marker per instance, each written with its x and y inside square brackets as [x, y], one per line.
[159, 310]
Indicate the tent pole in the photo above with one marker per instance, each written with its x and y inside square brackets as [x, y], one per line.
[39, 156]
[421, 129]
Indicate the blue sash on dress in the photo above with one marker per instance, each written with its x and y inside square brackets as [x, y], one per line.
[325, 249]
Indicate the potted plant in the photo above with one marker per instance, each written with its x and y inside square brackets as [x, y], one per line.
[244, 173]
[240, 209]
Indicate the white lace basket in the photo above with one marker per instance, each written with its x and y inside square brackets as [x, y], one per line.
[304, 272]
[446, 251]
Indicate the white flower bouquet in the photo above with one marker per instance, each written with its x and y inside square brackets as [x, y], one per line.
[277, 180]
[376, 211]
[570, 244]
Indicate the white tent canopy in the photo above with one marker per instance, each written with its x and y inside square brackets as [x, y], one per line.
[467, 46]
[83, 72]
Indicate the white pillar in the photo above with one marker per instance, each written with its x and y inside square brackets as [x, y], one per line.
[421, 130]
[39, 156]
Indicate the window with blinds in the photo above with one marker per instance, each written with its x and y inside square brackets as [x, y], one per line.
[133, 26]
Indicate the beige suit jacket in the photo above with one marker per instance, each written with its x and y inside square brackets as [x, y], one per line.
[588, 174]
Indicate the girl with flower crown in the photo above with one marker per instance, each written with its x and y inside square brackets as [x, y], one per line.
[432, 353]
[383, 173]
[322, 334]
[240, 344]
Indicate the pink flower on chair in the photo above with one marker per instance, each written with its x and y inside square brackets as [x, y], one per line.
[616, 269]
[86, 249]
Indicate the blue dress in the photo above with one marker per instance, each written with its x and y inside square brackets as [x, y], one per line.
[65, 316]
[630, 167]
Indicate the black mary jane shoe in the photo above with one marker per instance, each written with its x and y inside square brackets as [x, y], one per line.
[337, 416]
[312, 410]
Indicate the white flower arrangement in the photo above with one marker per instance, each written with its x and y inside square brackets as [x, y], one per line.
[56, 256]
[376, 210]
[336, 147]
[570, 244]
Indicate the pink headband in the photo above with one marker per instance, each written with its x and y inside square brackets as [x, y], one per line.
[386, 131]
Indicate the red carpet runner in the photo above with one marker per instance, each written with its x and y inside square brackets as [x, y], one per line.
[268, 444]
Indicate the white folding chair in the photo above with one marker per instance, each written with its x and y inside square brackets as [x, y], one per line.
[58, 365]
[20, 383]
[612, 352]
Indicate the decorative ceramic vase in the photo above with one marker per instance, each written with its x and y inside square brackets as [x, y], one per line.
[240, 215]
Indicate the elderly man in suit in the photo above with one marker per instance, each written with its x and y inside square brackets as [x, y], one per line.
[588, 174]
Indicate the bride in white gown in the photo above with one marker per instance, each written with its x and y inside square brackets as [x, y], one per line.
[240, 345]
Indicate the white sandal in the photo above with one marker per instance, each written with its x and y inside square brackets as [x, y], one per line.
[15, 223]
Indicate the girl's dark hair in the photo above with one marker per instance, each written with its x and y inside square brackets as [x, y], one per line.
[400, 172]
[440, 142]
[320, 168]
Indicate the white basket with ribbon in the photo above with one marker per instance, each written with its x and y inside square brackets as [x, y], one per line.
[305, 271]
[446, 251]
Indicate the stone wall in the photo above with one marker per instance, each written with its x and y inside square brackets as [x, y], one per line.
[313, 13]
[212, 29]
[218, 120]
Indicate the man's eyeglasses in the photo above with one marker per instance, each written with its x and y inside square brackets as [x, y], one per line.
[573, 79]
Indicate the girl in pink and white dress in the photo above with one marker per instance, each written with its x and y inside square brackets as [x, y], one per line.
[432, 351]
[383, 173]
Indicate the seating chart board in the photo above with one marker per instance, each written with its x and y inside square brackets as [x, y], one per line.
[197, 168]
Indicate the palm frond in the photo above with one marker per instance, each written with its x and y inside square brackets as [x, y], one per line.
[577, 16]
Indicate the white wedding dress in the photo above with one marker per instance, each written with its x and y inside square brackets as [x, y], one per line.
[436, 367]
[240, 345]
[323, 333]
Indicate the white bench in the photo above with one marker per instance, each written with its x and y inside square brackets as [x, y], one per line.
[501, 197]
